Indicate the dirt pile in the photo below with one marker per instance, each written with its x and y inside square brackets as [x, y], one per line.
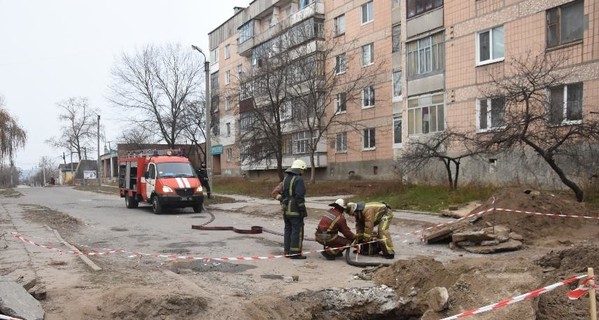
[556, 248]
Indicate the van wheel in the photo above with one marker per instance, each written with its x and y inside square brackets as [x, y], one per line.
[130, 202]
[156, 206]
[197, 208]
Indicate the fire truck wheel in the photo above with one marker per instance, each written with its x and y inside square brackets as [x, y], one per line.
[130, 202]
[197, 208]
[156, 205]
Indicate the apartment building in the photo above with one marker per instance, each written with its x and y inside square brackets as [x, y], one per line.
[432, 62]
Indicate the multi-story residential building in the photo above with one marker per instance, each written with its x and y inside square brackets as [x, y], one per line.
[432, 60]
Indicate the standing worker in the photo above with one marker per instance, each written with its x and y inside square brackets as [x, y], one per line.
[294, 209]
[371, 214]
[327, 232]
[203, 175]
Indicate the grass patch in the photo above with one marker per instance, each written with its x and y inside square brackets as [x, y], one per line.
[10, 193]
[397, 195]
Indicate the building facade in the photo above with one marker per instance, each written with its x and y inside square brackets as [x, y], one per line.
[431, 62]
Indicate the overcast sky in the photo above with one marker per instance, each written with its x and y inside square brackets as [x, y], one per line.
[51, 50]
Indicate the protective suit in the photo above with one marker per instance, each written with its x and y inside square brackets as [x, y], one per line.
[331, 224]
[293, 203]
[371, 214]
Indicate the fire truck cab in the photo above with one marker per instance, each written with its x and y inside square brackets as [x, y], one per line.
[164, 181]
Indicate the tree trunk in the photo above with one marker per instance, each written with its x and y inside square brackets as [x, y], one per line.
[447, 164]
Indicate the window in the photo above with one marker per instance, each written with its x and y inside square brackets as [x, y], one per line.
[227, 77]
[565, 104]
[367, 12]
[491, 113]
[426, 55]
[369, 138]
[397, 131]
[417, 7]
[490, 45]
[305, 3]
[426, 114]
[228, 103]
[300, 142]
[245, 121]
[341, 142]
[565, 24]
[340, 102]
[229, 154]
[368, 54]
[214, 56]
[286, 111]
[368, 97]
[228, 51]
[339, 25]
[340, 62]
[397, 84]
[228, 129]
[246, 32]
[396, 38]
[239, 71]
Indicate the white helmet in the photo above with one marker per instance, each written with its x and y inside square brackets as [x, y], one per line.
[339, 203]
[351, 208]
[298, 164]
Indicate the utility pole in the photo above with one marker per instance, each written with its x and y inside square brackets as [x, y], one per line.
[208, 110]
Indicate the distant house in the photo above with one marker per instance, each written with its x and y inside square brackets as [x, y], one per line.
[66, 173]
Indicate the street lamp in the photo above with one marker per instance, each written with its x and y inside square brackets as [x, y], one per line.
[99, 162]
[208, 116]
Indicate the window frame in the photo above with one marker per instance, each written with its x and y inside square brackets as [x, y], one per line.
[341, 142]
[560, 26]
[396, 38]
[488, 114]
[371, 97]
[396, 79]
[424, 5]
[565, 104]
[368, 54]
[340, 61]
[300, 143]
[227, 77]
[229, 152]
[228, 103]
[415, 113]
[227, 51]
[339, 23]
[367, 12]
[423, 59]
[492, 59]
[397, 118]
[368, 139]
[341, 103]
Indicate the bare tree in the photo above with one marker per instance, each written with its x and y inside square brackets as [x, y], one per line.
[320, 94]
[196, 123]
[137, 135]
[448, 146]
[292, 90]
[543, 111]
[79, 126]
[153, 87]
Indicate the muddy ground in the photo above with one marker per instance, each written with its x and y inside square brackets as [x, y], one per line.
[554, 249]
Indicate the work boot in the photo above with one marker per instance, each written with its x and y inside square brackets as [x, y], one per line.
[327, 255]
[295, 255]
[389, 256]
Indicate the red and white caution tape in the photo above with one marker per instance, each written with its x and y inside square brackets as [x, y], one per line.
[582, 289]
[556, 215]
[133, 254]
[3, 317]
[503, 303]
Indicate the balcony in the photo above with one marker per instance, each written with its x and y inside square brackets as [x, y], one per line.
[314, 9]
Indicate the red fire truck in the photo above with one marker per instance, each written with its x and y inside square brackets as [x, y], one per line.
[164, 181]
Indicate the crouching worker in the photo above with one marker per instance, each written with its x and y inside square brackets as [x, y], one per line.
[369, 215]
[327, 232]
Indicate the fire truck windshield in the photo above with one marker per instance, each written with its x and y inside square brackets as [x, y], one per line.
[174, 170]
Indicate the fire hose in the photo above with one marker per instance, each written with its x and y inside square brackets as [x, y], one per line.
[259, 229]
